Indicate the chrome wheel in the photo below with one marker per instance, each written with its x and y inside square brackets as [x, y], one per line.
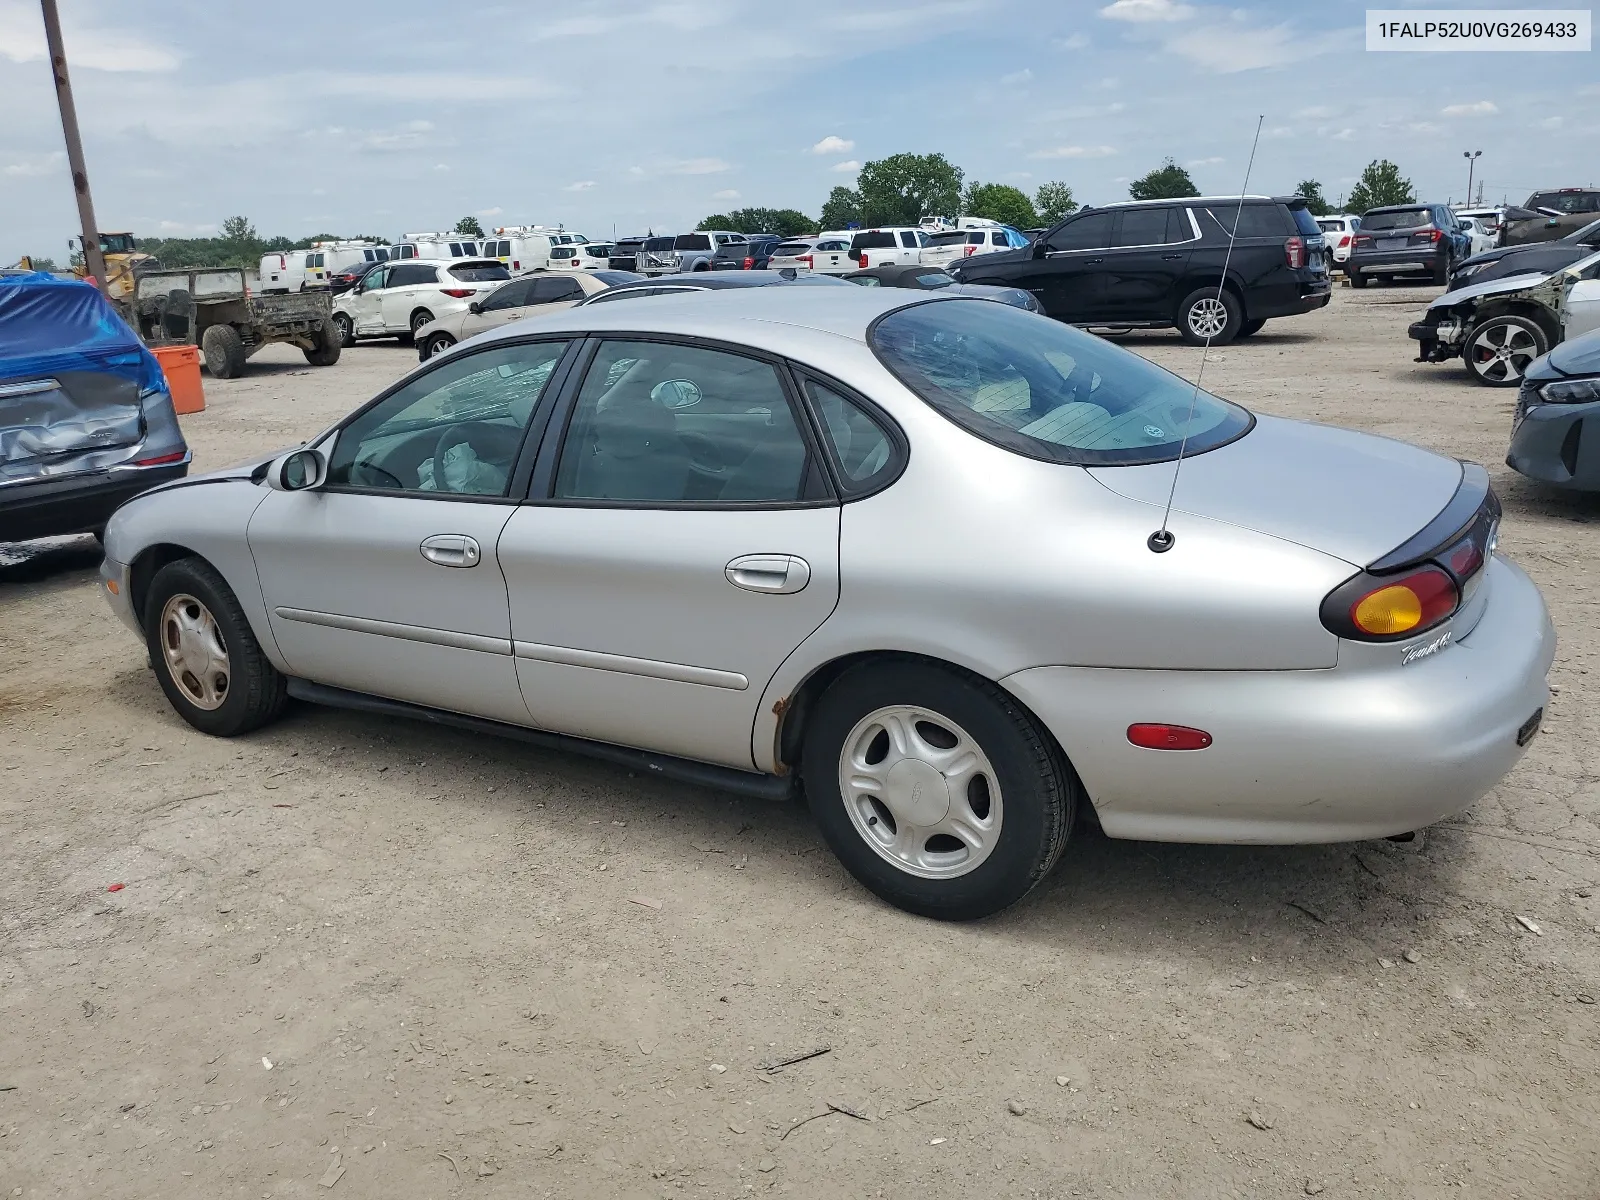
[1501, 352]
[920, 791]
[197, 659]
[1208, 317]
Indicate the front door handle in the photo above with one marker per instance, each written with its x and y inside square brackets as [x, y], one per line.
[1172, 256]
[774, 574]
[451, 550]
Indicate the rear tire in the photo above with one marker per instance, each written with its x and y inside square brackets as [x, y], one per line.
[1250, 328]
[1356, 278]
[435, 343]
[418, 319]
[329, 342]
[1440, 273]
[1009, 788]
[206, 656]
[346, 329]
[223, 349]
[1212, 313]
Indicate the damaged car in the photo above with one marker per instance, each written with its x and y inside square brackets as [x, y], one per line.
[1499, 327]
[1555, 435]
[86, 419]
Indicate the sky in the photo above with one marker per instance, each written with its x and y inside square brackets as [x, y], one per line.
[618, 116]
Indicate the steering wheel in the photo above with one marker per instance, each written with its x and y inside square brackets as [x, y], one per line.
[387, 478]
[453, 436]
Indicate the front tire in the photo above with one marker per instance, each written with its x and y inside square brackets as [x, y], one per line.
[346, 329]
[1498, 351]
[223, 350]
[329, 342]
[1251, 328]
[938, 792]
[1210, 314]
[206, 656]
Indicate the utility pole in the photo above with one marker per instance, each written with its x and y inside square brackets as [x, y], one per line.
[1472, 161]
[93, 260]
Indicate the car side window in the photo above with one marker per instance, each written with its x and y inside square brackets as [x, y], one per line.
[548, 291]
[456, 429]
[658, 422]
[863, 452]
[908, 239]
[374, 279]
[512, 295]
[1143, 227]
[1091, 231]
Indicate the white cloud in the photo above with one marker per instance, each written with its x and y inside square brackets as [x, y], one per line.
[1075, 152]
[848, 164]
[1204, 162]
[833, 145]
[441, 166]
[915, 17]
[1478, 108]
[1144, 11]
[22, 40]
[47, 164]
[1550, 123]
[1228, 50]
[1317, 112]
[490, 212]
[699, 166]
[582, 185]
[725, 194]
[1424, 127]
[1345, 135]
[1017, 77]
[1076, 42]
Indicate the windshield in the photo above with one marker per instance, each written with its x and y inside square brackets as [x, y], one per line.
[117, 243]
[1567, 202]
[1409, 218]
[934, 279]
[1046, 390]
[692, 241]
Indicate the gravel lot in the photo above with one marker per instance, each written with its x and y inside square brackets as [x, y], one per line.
[434, 940]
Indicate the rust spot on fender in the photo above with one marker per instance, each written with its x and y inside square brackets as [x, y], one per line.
[781, 706]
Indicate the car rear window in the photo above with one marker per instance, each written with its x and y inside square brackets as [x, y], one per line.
[1046, 390]
[934, 279]
[691, 241]
[875, 240]
[658, 243]
[599, 250]
[791, 249]
[479, 272]
[613, 278]
[1567, 202]
[948, 239]
[1405, 218]
[1305, 222]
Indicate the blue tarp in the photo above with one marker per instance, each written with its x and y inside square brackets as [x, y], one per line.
[50, 325]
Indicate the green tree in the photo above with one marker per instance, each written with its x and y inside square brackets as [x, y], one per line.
[785, 222]
[904, 188]
[1380, 184]
[1167, 182]
[1315, 200]
[843, 207]
[469, 227]
[1054, 201]
[239, 245]
[238, 229]
[999, 202]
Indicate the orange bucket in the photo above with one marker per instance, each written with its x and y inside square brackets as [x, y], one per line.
[181, 366]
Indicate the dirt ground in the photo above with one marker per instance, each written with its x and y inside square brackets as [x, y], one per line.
[358, 957]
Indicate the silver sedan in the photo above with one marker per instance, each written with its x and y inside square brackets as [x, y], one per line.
[905, 551]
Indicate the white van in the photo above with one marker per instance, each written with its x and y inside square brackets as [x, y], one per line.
[523, 248]
[434, 245]
[293, 271]
[342, 254]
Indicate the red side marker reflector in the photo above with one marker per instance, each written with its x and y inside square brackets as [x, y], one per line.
[1168, 737]
[159, 459]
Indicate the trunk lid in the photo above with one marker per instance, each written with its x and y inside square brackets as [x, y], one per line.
[1353, 495]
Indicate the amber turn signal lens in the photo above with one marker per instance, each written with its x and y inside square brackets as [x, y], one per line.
[111, 586]
[1417, 601]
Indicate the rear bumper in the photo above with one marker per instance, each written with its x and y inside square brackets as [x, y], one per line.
[1308, 756]
[76, 503]
[1419, 259]
[1559, 445]
[1291, 300]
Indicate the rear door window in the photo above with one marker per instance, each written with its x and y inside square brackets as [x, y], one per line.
[1144, 227]
[862, 451]
[549, 291]
[413, 275]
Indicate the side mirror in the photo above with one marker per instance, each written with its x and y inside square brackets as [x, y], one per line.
[474, 308]
[1038, 247]
[297, 471]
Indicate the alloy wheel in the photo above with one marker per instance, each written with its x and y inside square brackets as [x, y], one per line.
[1208, 317]
[196, 657]
[1502, 352]
[920, 791]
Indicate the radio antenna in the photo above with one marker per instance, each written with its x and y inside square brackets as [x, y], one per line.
[1161, 540]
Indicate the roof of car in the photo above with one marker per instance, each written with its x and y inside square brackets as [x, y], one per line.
[1412, 207]
[1186, 200]
[718, 280]
[897, 271]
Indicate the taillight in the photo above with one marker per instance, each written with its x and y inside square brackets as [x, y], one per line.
[160, 459]
[1383, 608]
[1429, 236]
[459, 293]
[1294, 252]
[803, 258]
[749, 264]
[863, 258]
[1363, 239]
[1344, 241]
[516, 264]
[1159, 736]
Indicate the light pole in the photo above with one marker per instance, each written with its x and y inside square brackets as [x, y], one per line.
[93, 261]
[1472, 161]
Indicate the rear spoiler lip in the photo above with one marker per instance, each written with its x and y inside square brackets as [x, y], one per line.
[1472, 495]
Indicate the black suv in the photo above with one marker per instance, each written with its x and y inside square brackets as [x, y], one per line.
[1405, 239]
[1156, 263]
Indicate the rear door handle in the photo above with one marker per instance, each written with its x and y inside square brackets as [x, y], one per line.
[774, 574]
[1172, 256]
[451, 550]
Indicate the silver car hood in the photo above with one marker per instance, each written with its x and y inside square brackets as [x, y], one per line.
[1352, 495]
[1495, 287]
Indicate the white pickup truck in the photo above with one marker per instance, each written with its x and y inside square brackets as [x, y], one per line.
[894, 245]
[945, 248]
